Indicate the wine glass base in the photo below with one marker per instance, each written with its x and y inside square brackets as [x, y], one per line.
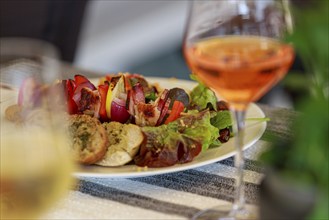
[225, 212]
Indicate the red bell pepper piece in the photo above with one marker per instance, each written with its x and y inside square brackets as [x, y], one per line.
[177, 108]
[80, 79]
[102, 89]
[71, 105]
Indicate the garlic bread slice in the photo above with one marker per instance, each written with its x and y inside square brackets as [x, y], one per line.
[124, 142]
[89, 139]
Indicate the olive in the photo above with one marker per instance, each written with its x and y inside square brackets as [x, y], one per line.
[179, 95]
[222, 105]
[224, 135]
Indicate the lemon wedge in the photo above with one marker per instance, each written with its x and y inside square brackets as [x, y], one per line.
[114, 93]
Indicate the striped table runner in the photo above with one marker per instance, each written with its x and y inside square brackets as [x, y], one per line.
[172, 196]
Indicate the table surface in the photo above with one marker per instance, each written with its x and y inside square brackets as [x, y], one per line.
[176, 195]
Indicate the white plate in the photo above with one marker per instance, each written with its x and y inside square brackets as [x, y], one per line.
[254, 130]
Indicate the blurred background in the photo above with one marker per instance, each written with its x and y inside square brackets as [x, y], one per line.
[137, 36]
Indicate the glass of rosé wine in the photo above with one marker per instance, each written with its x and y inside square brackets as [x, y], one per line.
[235, 47]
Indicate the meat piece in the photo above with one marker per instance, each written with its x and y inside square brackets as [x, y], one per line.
[89, 103]
[146, 114]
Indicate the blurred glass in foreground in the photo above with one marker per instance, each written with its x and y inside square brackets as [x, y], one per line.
[303, 162]
[35, 162]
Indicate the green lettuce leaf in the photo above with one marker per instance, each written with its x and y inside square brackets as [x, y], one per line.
[200, 128]
[221, 119]
[201, 97]
[165, 135]
[195, 125]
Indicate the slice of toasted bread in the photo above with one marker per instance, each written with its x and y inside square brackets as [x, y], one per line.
[13, 113]
[124, 142]
[89, 139]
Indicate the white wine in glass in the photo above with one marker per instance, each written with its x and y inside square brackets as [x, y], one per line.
[236, 48]
[36, 166]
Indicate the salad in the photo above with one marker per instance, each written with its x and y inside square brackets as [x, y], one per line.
[176, 125]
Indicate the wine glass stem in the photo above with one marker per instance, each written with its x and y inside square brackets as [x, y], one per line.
[239, 200]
